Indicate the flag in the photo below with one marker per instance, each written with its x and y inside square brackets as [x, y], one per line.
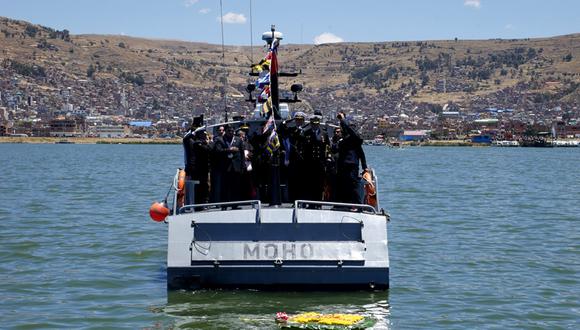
[274, 62]
[269, 124]
[263, 65]
[264, 95]
[263, 81]
[286, 144]
[273, 142]
[267, 106]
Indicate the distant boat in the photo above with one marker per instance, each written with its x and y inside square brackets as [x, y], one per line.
[506, 143]
[565, 144]
[64, 141]
[378, 141]
[540, 140]
[395, 144]
[481, 139]
[536, 144]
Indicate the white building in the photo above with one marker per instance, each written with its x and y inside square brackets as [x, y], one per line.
[112, 131]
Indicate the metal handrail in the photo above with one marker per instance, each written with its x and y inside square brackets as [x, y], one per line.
[376, 182]
[226, 204]
[324, 203]
[174, 186]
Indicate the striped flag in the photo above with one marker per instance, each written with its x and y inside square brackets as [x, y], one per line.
[273, 142]
[269, 124]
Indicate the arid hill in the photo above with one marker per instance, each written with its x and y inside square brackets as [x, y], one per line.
[435, 72]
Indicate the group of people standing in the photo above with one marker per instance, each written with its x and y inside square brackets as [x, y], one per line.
[306, 164]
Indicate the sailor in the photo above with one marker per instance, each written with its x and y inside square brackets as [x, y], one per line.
[315, 147]
[293, 136]
[197, 151]
[229, 151]
[350, 153]
[330, 187]
[247, 188]
[220, 132]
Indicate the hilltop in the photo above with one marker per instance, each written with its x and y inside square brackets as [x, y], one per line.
[379, 78]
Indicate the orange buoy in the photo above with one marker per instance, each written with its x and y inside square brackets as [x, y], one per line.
[370, 189]
[181, 188]
[158, 211]
[181, 179]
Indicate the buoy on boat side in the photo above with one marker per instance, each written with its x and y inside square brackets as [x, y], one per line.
[158, 211]
[181, 179]
[181, 188]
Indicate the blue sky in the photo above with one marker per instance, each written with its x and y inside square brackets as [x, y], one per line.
[301, 21]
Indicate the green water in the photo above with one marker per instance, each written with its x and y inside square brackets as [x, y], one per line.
[479, 238]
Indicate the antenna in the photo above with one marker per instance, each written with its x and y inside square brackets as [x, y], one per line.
[251, 36]
[225, 87]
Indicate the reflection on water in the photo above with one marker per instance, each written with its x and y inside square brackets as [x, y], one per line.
[256, 309]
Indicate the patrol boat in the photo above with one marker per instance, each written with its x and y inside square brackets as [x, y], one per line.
[276, 244]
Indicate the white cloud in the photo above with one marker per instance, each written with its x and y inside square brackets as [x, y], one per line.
[204, 11]
[189, 3]
[509, 26]
[472, 3]
[233, 18]
[327, 38]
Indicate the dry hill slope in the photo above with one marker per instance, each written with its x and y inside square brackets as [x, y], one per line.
[359, 73]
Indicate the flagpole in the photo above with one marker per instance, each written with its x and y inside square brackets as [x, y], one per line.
[274, 78]
[276, 193]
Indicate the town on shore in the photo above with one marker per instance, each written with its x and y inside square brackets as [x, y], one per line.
[57, 85]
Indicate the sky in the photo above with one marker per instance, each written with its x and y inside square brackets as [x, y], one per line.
[304, 22]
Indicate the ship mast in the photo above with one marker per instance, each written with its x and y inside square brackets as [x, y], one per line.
[225, 85]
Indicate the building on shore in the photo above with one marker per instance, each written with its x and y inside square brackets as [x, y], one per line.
[414, 135]
[64, 127]
[112, 131]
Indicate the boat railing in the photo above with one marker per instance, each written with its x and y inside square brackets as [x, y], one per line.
[334, 206]
[254, 203]
[375, 180]
[174, 187]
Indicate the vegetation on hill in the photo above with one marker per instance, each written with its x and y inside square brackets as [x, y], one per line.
[436, 72]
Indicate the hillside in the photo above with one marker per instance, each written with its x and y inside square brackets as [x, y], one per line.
[374, 77]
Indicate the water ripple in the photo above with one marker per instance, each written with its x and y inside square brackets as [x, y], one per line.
[479, 238]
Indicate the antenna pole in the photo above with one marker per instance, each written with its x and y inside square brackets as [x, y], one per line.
[251, 36]
[225, 86]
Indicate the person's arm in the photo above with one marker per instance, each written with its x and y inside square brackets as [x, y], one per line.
[348, 130]
[363, 158]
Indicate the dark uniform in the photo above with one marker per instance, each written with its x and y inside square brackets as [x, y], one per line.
[261, 164]
[315, 150]
[294, 158]
[229, 157]
[350, 153]
[197, 152]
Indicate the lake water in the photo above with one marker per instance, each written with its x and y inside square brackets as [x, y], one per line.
[479, 238]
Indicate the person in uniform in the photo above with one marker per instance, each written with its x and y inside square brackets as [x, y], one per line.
[229, 151]
[315, 149]
[293, 138]
[350, 154]
[247, 187]
[197, 149]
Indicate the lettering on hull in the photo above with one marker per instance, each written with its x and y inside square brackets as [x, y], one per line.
[284, 251]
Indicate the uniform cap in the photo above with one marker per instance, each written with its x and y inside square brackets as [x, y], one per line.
[300, 115]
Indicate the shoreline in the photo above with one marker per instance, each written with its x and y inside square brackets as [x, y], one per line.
[84, 140]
